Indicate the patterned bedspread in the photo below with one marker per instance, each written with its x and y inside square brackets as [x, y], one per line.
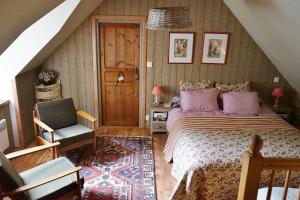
[207, 153]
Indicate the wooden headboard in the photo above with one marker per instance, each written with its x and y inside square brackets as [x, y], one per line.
[254, 163]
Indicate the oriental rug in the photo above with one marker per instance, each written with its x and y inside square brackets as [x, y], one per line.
[121, 169]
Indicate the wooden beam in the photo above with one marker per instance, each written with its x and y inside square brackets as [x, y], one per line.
[18, 115]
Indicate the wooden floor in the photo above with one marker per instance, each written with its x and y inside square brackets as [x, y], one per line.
[165, 183]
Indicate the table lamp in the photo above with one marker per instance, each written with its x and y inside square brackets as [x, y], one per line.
[277, 92]
[157, 91]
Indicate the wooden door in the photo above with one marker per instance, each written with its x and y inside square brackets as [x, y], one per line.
[120, 59]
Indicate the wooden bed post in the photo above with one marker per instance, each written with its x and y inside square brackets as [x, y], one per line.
[251, 170]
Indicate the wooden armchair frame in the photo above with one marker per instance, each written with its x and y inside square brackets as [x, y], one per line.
[40, 140]
[45, 181]
[254, 163]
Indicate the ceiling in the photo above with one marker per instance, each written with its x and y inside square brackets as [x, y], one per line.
[82, 11]
[31, 11]
[16, 16]
[275, 26]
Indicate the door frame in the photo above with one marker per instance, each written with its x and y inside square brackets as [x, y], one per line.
[96, 21]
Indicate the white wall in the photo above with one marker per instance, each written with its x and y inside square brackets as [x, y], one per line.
[26, 47]
[275, 26]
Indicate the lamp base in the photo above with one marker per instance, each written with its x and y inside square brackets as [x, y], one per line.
[276, 102]
[156, 100]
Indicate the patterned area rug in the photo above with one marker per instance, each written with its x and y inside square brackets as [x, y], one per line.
[123, 168]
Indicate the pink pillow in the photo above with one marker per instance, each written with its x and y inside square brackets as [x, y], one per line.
[199, 100]
[243, 103]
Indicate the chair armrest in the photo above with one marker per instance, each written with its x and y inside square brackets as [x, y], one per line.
[43, 125]
[31, 150]
[86, 115]
[42, 182]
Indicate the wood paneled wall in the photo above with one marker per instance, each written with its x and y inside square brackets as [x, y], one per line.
[24, 94]
[246, 61]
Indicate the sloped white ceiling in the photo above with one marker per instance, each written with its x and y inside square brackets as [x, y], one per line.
[32, 40]
[82, 11]
[16, 16]
[275, 26]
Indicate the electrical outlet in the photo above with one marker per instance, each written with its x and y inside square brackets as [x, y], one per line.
[276, 79]
[149, 64]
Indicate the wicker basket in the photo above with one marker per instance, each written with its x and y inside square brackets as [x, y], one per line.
[169, 18]
[48, 92]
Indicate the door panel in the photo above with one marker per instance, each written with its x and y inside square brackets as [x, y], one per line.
[110, 76]
[120, 56]
[120, 51]
[130, 45]
[110, 47]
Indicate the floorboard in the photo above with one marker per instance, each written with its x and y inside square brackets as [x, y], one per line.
[165, 183]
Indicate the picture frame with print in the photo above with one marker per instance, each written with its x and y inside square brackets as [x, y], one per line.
[215, 47]
[181, 47]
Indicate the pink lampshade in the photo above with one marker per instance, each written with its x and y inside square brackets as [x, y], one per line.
[277, 92]
[157, 90]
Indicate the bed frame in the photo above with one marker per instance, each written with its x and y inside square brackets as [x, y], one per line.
[254, 163]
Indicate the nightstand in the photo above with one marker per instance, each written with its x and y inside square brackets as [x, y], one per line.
[283, 111]
[158, 119]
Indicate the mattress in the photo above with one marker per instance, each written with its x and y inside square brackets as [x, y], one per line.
[176, 113]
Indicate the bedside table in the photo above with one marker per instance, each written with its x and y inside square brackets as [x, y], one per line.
[283, 111]
[158, 119]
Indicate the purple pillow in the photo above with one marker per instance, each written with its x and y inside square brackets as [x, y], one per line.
[199, 100]
[243, 103]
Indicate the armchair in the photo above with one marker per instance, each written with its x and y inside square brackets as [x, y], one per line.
[57, 121]
[51, 180]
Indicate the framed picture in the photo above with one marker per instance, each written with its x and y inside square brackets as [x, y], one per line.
[160, 116]
[181, 47]
[214, 48]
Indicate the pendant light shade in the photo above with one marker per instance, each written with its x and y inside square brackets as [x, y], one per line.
[169, 18]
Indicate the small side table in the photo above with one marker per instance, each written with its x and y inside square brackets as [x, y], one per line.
[283, 111]
[158, 119]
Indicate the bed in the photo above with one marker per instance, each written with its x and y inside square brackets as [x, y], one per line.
[207, 147]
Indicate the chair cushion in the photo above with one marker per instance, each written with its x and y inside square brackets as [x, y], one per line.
[69, 135]
[2, 125]
[46, 170]
[57, 114]
[10, 179]
[4, 144]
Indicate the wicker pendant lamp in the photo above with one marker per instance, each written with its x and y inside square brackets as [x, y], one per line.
[169, 18]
